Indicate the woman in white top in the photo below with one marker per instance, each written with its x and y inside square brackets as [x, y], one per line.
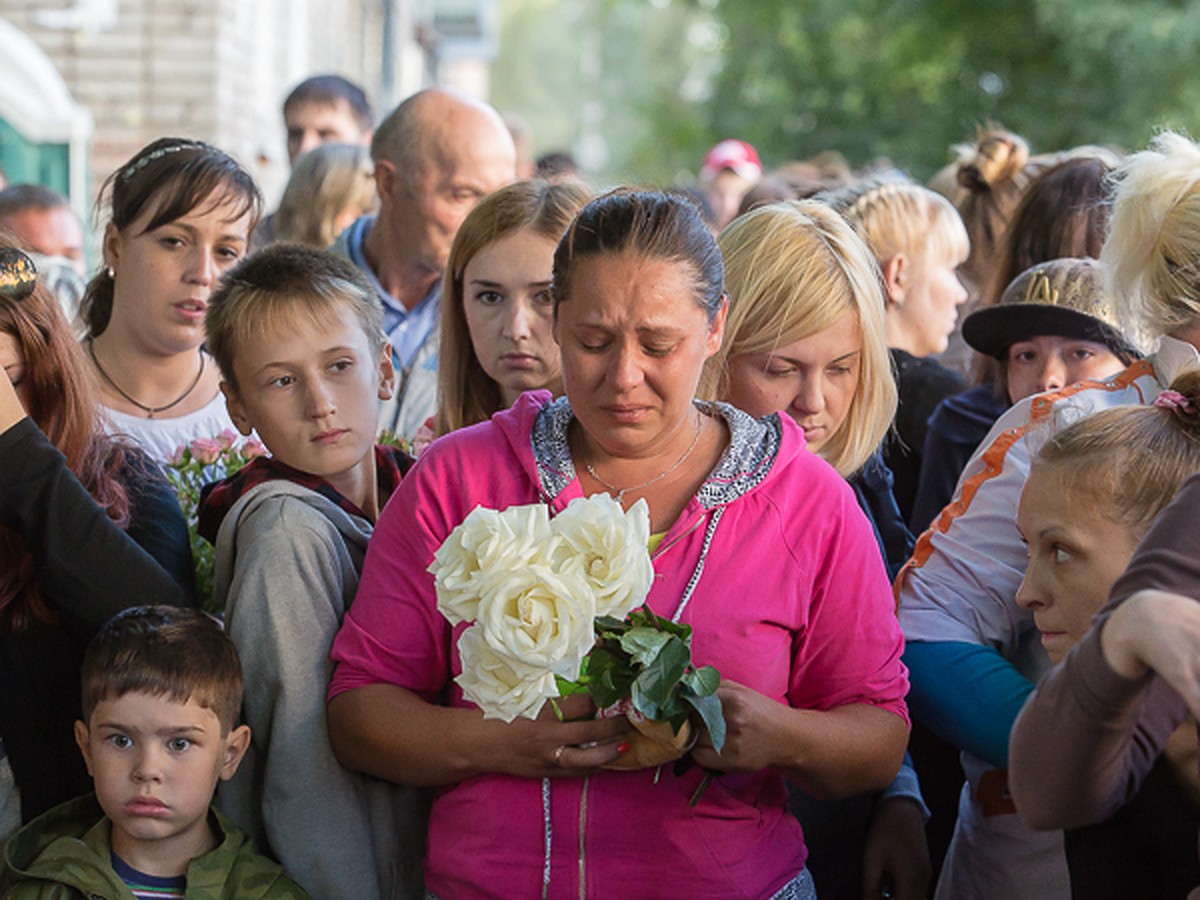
[182, 213]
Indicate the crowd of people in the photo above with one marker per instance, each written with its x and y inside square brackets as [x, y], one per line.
[919, 466]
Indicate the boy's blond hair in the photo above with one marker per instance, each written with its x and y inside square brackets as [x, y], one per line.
[279, 284]
[166, 651]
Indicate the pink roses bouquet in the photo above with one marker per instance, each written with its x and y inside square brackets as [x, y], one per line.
[188, 470]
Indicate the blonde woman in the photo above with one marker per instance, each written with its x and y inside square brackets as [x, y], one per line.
[805, 338]
[331, 186]
[919, 242]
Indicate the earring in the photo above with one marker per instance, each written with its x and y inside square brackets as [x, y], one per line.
[108, 270]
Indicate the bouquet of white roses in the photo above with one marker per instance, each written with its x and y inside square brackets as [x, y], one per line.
[553, 606]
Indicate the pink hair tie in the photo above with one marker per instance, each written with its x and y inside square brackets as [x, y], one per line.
[1174, 400]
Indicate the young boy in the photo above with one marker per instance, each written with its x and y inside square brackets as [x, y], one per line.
[161, 692]
[298, 336]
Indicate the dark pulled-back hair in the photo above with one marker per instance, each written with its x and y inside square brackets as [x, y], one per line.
[1064, 213]
[328, 90]
[169, 177]
[644, 223]
[173, 652]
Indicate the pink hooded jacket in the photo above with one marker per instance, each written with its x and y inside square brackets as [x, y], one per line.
[781, 579]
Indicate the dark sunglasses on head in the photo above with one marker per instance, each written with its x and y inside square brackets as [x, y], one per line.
[18, 274]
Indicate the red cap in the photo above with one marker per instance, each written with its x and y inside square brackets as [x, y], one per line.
[736, 155]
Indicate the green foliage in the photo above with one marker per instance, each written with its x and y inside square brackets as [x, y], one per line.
[905, 80]
[657, 83]
[648, 660]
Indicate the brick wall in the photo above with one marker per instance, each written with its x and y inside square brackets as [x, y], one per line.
[216, 70]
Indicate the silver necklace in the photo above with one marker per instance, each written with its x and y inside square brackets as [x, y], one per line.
[621, 492]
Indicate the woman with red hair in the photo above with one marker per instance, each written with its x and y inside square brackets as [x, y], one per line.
[71, 499]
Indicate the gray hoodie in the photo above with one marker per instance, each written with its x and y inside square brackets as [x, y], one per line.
[287, 566]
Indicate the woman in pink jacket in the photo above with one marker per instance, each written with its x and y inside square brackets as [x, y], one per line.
[757, 544]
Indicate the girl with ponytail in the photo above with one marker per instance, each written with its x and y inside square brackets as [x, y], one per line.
[1095, 490]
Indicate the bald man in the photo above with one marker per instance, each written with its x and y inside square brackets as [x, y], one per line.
[437, 155]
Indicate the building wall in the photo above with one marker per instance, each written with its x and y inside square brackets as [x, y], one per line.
[216, 70]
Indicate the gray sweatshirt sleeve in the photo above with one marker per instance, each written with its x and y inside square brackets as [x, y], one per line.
[337, 833]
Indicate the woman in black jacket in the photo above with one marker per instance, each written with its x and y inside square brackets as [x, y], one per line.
[87, 527]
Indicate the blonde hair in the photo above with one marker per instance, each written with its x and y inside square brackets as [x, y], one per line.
[466, 393]
[1152, 255]
[279, 284]
[1130, 461]
[327, 180]
[791, 270]
[906, 218]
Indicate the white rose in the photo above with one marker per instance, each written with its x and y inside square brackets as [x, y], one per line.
[610, 546]
[537, 616]
[503, 688]
[487, 541]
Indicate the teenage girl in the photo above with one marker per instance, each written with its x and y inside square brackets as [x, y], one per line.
[497, 314]
[182, 213]
[1092, 494]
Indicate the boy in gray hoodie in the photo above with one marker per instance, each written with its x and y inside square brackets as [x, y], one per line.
[297, 334]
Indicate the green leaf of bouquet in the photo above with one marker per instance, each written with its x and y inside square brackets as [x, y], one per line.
[703, 681]
[644, 644]
[609, 628]
[567, 688]
[677, 719]
[644, 704]
[711, 714]
[660, 676]
[609, 680]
